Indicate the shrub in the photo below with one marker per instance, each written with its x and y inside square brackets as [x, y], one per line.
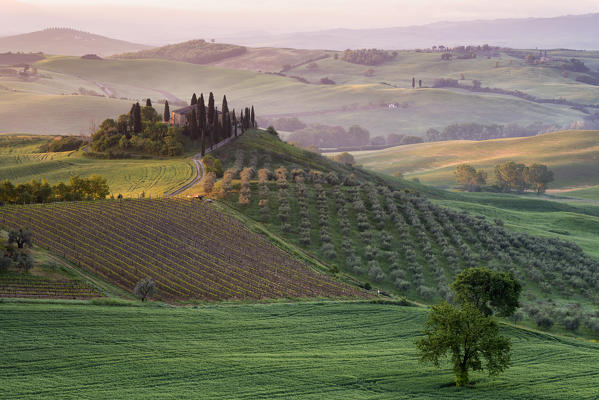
[328, 250]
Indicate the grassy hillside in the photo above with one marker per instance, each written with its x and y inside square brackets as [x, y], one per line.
[192, 251]
[193, 51]
[389, 233]
[270, 59]
[353, 101]
[67, 42]
[21, 161]
[505, 71]
[300, 351]
[572, 155]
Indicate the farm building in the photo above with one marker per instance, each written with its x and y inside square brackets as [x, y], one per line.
[179, 116]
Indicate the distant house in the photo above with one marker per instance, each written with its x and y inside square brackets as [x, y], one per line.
[179, 116]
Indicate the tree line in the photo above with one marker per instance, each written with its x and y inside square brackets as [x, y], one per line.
[474, 131]
[209, 126]
[368, 56]
[143, 130]
[93, 188]
[509, 176]
[140, 130]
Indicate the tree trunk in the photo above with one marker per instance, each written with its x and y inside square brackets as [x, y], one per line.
[461, 377]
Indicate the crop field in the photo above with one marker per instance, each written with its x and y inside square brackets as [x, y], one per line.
[351, 101]
[21, 161]
[392, 236]
[336, 350]
[572, 155]
[192, 251]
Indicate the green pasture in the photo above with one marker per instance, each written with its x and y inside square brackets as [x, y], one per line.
[572, 155]
[330, 350]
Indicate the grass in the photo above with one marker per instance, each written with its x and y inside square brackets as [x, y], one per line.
[572, 155]
[20, 161]
[302, 351]
[364, 99]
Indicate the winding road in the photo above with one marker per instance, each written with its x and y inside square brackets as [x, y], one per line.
[199, 165]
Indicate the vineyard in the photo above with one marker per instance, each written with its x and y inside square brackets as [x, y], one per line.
[397, 239]
[29, 286]
[191, 250]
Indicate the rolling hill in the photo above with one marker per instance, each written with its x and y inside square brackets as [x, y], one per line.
[571, 32]
[193, 51]
[354, 100]
[572, 155]
[342, 350]
[65, 41]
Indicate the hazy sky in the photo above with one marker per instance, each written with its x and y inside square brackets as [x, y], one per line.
[156, 21]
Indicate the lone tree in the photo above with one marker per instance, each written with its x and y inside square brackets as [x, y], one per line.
[20, 237]
[489, 291]
[468, 336]
[167, 112]
[144, 289]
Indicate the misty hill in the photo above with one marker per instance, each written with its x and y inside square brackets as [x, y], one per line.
[574, 32]
[193, 51]
[66, 41]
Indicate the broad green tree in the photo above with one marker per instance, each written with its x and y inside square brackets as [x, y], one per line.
[489, 291]
[510, 176]
[471, 179]
[468, 337]
[537, 176]
[21, 237]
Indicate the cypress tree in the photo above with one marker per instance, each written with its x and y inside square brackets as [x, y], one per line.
[137, 118]
[167, 112]
[202, 122]
[234, 123]
[131, 121]
[252, 118]
[226, 122]
[210, 109]
[148, 102]
[192, 120]
[194, 99]
[413, 83]
[213, 125]
[241, 121]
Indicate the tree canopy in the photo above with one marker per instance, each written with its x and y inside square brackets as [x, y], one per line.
[489, 291]
[471, 179]
[468, 336]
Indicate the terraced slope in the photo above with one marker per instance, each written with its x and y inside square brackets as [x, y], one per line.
[302, 351]
[188, 248]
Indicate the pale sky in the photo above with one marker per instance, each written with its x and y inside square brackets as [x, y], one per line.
[154, 21]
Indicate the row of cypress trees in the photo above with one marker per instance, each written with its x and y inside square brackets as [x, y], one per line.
[204, 124]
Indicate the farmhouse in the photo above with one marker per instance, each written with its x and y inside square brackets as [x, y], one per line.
[179, 117]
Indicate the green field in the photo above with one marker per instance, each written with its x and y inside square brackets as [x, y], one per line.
[572, 155]
[300, 351]
[354, 100]
[21, 161]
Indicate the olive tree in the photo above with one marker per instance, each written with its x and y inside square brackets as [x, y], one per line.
[468, 336]
[144, 289]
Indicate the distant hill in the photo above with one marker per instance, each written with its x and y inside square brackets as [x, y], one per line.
[572, 31]
[572, 155]
[193, 51]
[66, 41]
